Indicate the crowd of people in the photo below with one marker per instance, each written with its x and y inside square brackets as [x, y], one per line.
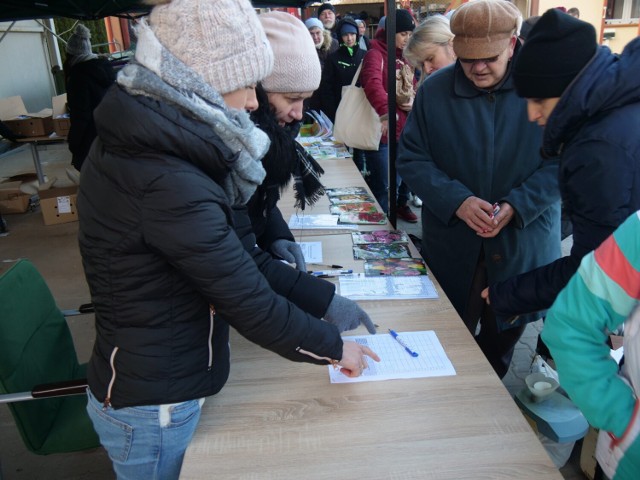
[198, 135]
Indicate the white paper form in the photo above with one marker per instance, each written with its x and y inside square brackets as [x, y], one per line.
[360, 287]
[396, 362]
[320, 221]
[312, 251]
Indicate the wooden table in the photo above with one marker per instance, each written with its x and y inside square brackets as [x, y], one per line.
[281, 420]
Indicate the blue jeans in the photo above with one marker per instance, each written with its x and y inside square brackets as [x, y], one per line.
[148, 441]
[377, 166]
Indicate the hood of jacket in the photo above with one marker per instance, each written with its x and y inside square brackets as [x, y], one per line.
[155, 127]
[347, 21]
[607, 82]
[380, 44]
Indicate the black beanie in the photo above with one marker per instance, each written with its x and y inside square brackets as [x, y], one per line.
[325, 6]
[555, 51]
[404, 21]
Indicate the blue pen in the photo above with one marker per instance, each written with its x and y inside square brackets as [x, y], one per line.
[399, 340]
[330, 273]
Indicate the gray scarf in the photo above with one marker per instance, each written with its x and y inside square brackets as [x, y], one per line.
[161, 75]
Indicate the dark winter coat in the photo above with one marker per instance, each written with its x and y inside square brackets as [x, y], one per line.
[460, 142]
[159, 248]
[373, 79]
[329, 45]
[339, 70]
[595, 129]
[87, 82]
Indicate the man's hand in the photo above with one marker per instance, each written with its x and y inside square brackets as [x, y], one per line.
[500, 221]
[477, 214]
[485, 294]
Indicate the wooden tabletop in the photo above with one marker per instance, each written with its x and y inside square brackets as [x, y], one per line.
[279, 420]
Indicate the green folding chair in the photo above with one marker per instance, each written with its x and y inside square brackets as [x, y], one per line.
[40, 377]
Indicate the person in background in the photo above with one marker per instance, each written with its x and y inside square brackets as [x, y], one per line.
[167, 272]
[574, 12]
[587, 101]
[340, 66]
[325, 45]
[430, 48]
[87, 79]
[364, 43]
[327, 15]
[601, 298]
[339, 71]
[468, 149]
[262, 229]
[373, 79]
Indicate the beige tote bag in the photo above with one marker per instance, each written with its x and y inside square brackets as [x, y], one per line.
[357, 124]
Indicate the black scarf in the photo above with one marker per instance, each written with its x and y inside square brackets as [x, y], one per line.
[285, 158]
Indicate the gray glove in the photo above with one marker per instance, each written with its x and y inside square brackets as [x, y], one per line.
[347, 315]
[290, 252]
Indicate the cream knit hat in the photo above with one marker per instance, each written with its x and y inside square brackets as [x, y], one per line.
[221, 40]
[296, 67]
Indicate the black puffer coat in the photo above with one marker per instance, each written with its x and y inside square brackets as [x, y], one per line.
[87, 82]
[159, 246]
[339, 69]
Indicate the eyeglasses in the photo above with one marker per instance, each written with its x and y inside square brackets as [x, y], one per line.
[473, 61]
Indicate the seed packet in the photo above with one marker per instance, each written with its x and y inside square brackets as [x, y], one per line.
[381, 250]
[334, 192]
[353, 207]
[363, 218]
[395, 267]
[379, 236]
[352, 198]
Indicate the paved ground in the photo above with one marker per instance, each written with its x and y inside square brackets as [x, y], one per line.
[53, 250]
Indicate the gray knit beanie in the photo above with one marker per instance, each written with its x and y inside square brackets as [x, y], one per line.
[221, 40]
[296, 67]
[80, 42]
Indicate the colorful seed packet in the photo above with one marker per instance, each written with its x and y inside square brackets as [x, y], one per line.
[395, 267]
[381, 250]
[363, 218]
[379, 236]
[353, 207]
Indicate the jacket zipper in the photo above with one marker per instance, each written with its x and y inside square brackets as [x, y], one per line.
[212, 312]
[317, 357]
[112, 359]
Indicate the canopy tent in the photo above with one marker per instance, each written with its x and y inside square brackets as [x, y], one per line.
[95, 9]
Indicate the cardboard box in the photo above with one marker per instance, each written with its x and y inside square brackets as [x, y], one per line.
[588, 460]
[61, 120]
[15, 116]
[12, 199]
[58, 205]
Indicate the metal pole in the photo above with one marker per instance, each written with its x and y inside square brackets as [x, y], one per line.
[390, 26]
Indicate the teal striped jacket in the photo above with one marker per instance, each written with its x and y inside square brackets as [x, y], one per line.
[602, 296]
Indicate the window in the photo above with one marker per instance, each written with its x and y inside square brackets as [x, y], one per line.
[622, 11]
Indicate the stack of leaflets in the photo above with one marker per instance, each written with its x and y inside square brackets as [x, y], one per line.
[317, 140]
[354, 205]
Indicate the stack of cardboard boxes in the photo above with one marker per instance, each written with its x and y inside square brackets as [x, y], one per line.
[58, 205]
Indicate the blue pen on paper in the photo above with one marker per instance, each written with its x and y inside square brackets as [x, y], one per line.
[330, 273]
[399, 340]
